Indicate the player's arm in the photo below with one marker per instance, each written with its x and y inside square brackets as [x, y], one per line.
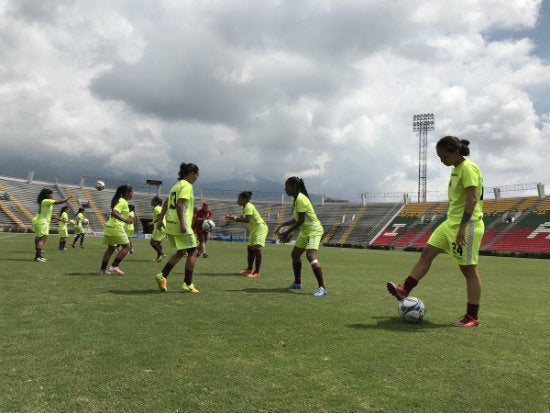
[284, 224]
[179, 211]
[62, 201]
[246, 219]
[471, 200]
[160, 217]
[117, 215]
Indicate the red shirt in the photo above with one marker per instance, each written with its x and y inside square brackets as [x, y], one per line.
[200, 216]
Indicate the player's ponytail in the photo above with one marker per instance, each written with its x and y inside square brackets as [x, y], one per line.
[453, 144]
[120, 192]
[187, 168]
[299, 184]
[246, 195]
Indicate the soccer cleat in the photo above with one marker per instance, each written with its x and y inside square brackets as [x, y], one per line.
[320, 292]
[467, 321]
[295, 286]
[189, 288]
[116, 270]
[253, 275]
[246, 271]
[81, 246]
[39, 259]
[159, 258]
[72, 245]
[397, 291]
[205, 255]
[161, 281]
[104, 272]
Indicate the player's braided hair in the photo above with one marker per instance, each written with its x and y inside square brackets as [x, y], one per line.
[299, 184]
[453, 144]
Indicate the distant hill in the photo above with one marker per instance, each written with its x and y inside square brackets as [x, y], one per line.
[263, 185]
[262, 189]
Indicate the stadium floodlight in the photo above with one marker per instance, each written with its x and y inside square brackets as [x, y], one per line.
[423, 123]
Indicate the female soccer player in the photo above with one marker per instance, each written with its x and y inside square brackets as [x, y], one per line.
[114, 233]
[309, 237]
[79, 228]
[461, 233]
[62, 228]
[200, 216]
[158, 234]
[41, 221]
[129, 228]
[178, 209]
[257, 229]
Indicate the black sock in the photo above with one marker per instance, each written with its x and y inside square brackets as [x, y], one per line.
[410, 283]
[472, 310]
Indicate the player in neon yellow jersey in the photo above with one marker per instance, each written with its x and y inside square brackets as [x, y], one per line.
[62, 227]
[158, 234]
[257, 230]
[461, 233]
[41, 221]
[178, 210]
[309, 238]
[79, 228]
[114, 230]
[130, 228]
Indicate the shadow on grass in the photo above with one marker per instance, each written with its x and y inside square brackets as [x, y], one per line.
[84, 274]
[395, 324]
[141, 292]
[264, 290]
[222, 274]
[26, 259]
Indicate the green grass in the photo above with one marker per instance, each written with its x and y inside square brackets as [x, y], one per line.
[74, 341]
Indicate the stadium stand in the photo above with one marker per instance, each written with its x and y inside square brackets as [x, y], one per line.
[520, 224]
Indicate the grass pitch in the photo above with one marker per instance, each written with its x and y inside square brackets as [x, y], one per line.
[74, 341]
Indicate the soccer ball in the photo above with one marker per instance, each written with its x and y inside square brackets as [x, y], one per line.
[411, 309]
[71, 221]
[85, 221]
[100, 185]
[208, 225]
[280, 235]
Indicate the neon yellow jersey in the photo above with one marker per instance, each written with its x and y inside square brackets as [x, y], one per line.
[62, 225]
[311, 224]
[113, 226]
[45, 211]
[78, 222]
[156, 211]
[181, 190]
[465, 175]
[256, 220]
[129, 228]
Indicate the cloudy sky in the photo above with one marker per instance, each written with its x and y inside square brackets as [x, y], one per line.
[323, 89]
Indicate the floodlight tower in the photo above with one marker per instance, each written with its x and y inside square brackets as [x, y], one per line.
[422, 124]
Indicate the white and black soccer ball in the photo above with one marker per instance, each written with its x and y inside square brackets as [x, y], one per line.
[85, 221]
[208, 225]
[100, 185]
[411, 309]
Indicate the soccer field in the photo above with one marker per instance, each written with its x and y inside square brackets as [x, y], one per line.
[75, 341]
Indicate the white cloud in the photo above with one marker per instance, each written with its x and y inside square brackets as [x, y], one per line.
[325, 90]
